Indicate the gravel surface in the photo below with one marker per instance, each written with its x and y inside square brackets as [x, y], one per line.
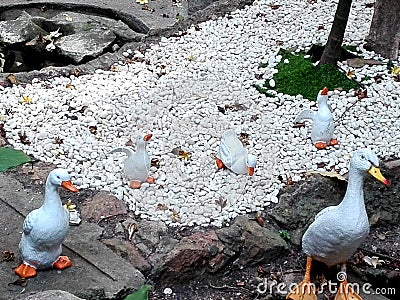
[172, 90]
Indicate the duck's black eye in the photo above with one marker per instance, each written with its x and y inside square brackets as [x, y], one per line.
[362, 156]
[58, 177]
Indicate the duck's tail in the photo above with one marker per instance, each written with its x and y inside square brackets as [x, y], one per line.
[307, 114]
[128, 151]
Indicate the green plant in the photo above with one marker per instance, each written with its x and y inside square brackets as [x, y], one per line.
[140, 294]
[284, 234]
[298, 76]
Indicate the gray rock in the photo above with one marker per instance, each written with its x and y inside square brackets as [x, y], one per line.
[102, 205]
[149, 233]
[250, 242]
[22, 29]
[298, 206]
[85, 44]
[50, 295]
[128, 251]
[192, 256]
[72, 22]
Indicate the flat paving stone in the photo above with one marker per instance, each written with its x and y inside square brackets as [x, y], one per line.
[95, 267]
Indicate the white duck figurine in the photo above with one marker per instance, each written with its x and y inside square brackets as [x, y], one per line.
[232, 155]
[45, 229]
[137, 164]
[323, 126]
[338, 231]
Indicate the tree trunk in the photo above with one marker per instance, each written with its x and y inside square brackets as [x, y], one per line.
[333, 46]
[384, 33]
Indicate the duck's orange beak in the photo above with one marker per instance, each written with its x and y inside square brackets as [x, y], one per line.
[147, 137]
[324, 91]
[69, 186]
[374, 171]
[250, 171]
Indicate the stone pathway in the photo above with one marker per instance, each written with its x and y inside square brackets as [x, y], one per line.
[95, 267]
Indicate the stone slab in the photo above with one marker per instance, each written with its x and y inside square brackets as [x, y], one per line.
[95, 267]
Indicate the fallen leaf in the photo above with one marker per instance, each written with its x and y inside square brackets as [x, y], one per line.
[299, 125]
[155, 162]
[185, 155]
[244, 138]
[12, 79]
[8, 255]
[161, 206]
[69, 205]
[327, 174]
[93, 129]
[221, 202]
[175, 216]
[20, 282]
[23, 138]
[351, 74]
[132, 228]
[58, 141]
[10, 158]
[378, 78]
[373, 261]
[274, 6]
[26, 100]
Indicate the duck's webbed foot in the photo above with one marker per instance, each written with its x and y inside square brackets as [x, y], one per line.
[62, 263]
[134, 184]
[220, 164]
[305, 290]
[333, 142]
[150, 180]
[320, 145]
[25, 271]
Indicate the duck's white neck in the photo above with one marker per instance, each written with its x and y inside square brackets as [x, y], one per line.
[140, 146]
[51, 197]
[354, 197]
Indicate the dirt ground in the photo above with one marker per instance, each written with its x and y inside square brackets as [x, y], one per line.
[249, 283]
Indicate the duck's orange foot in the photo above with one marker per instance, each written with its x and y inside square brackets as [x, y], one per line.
[134, 184]
[25, 271]
[150, 180]
[346, 292]
[333, 142]
[220, 164]
[303, 291]
[62, 263]
[320, 145]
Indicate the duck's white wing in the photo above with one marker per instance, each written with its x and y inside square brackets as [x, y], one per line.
[30, 221]
[307, 114]
[324, 211]
[230, 148]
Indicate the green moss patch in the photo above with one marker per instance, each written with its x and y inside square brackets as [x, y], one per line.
[301, 77]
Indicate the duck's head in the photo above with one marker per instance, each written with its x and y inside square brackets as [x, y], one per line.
[251, 164]
[60, 177]
[322, 95]
[364, 160]
[143, 139]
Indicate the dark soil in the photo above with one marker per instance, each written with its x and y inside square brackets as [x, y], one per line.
[239, 283]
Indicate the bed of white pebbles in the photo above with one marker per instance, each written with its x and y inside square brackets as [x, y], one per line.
[175, 97]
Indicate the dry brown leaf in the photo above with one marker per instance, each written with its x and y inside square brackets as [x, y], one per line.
[327, 174]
